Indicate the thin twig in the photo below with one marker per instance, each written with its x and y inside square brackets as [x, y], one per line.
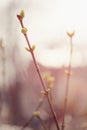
[32, 117]
[67, 81]
[20, 18]
[42, 123]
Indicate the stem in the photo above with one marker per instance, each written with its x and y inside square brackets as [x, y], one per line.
[30, 120]
[39, 73]
[42, 123]
[67, 86]
[53, 112]
[27, 123]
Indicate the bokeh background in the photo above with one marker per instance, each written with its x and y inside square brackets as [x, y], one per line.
[20, 89]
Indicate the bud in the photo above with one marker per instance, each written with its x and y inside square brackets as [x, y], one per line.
[50, 79]
[27, 49]
[24, 30]
[36, 113]
[48, 90]
[67, 72]
[1, 44]
[43, 92]
[22, 14]
[33, 47]
[70, 34]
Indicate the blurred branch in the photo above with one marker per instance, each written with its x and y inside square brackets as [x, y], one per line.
[68, 73]
[32, 117]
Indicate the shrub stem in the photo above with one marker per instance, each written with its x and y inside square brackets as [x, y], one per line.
[67, 84]
[39, 73]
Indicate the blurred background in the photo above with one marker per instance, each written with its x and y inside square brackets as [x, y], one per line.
[47, 22]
